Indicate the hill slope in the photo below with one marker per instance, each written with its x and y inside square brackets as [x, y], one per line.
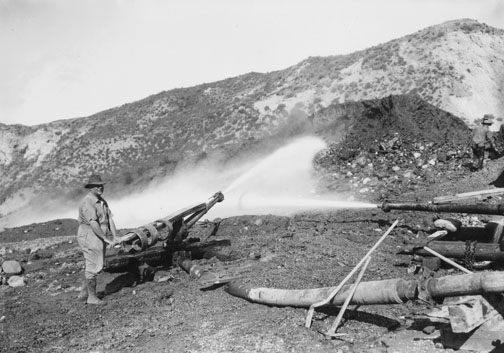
[456, 66]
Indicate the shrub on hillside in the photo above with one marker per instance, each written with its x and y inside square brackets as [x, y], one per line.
[127, 178]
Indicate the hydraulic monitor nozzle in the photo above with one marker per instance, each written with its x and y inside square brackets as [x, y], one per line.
[385, 206]
[172, 228]
[218, 196]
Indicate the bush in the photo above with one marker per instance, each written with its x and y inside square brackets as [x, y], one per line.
[127, 177]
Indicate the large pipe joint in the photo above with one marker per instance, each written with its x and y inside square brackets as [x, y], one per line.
[166, 227]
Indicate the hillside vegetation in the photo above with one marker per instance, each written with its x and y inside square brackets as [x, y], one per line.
[456, 68]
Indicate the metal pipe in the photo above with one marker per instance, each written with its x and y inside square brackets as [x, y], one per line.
[391, 291]
[457, 250]
[478, 208]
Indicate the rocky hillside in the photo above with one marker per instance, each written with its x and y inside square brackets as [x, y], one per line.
[457, 67]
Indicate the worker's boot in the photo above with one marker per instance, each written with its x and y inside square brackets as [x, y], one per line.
[83, 294]
[92, 298]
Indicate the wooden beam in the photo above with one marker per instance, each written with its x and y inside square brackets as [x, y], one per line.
[467, 195]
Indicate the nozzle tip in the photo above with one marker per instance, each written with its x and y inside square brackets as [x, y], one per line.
[385, 207]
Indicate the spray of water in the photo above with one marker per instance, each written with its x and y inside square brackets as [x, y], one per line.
[282, 183]
[278, 184]
[289, 167]
[289, 204]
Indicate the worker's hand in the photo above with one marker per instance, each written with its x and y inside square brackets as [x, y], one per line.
[109, 243]
[117, 242]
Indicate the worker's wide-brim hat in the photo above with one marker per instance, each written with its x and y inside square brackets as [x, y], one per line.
[94, 180]
[488, 119]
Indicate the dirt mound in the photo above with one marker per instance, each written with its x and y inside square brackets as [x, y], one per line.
[408, 116]
[386, 147]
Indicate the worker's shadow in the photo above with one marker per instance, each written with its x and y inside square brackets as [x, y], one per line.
[499, 346]
[499, 182]
[375, 319]
[129, 279]
[458, 340]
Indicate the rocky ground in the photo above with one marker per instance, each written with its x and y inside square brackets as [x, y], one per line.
[172, 313]
[386, 157]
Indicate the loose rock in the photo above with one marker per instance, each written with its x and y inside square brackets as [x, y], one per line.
[12, 267]
[16, 281]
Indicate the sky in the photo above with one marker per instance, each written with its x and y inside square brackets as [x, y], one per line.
[65, 59]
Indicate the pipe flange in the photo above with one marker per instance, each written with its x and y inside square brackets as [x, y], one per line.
[142, 237]
[166, 233]
[153, 234]
[423, 287]
[152, 230]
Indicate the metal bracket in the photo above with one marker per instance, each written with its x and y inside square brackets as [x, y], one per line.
[423, 285]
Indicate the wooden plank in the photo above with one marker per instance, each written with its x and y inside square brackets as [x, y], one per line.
[467, 195]
[448, 261]
[334, 327]
[309, 314]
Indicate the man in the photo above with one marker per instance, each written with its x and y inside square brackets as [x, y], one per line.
[499, 141]
[96, 232]
[481, 141]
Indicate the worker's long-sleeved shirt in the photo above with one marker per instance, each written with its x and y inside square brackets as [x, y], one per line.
[481, 135]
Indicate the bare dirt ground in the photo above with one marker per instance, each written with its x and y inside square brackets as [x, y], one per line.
[171, 313]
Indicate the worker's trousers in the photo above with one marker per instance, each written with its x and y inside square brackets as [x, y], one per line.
[478, 156]
[93, 249]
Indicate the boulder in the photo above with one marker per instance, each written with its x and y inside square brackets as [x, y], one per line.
[449, 224]
[442, 156]
[16, 281]
[258, 222]
[12, 267]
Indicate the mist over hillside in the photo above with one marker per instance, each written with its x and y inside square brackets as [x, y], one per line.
[455, 68]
